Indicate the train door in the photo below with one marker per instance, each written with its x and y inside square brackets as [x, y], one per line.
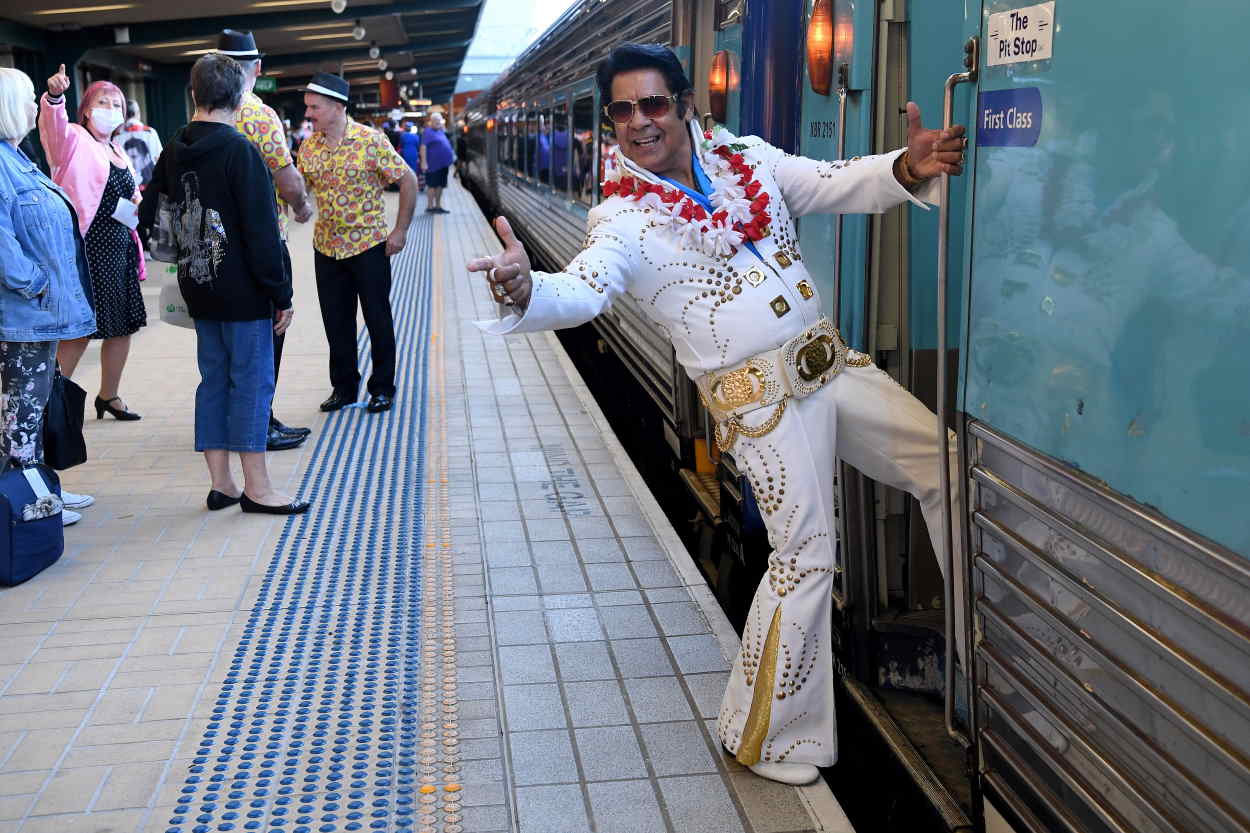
[1103, 407]
[890, 624]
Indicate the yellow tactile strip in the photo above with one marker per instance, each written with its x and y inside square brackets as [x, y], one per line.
[440, 793]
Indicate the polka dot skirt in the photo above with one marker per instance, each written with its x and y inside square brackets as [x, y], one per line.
[113, 259]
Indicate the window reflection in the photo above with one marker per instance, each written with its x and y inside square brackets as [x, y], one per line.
[560, 149]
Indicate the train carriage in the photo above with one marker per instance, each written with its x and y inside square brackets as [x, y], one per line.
[1077, 306]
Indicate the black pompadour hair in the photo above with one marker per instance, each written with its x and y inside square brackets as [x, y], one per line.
[629, 56]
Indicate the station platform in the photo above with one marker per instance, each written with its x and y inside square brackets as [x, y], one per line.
[485, 623]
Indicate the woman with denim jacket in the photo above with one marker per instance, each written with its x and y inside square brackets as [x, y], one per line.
[45, 297]
[103, 186]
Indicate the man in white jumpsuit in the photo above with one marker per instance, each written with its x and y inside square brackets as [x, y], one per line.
[699, 229]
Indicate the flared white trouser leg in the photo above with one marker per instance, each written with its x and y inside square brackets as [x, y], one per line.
[779, 703]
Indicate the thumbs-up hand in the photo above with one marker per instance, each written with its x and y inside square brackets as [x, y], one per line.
[59, 83]
[933, 152]
[509, 271]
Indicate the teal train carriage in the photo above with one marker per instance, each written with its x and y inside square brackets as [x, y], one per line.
[1077, 305]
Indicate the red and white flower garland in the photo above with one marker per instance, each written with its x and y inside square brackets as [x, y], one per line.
[740, 203]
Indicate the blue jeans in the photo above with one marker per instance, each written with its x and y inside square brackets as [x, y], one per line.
[236, 384]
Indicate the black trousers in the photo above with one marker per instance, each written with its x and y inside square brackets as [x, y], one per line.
[280, 340]
[367, 277]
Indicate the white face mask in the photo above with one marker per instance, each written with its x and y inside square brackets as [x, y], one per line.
[105, 119]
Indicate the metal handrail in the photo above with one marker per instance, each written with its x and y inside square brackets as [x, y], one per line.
[944, 474]
[837, 218]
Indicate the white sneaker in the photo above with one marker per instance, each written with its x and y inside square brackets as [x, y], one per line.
[69, 517]
[76, 501]
[796, 774]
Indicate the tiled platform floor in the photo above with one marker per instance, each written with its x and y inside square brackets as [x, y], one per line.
[584, 656]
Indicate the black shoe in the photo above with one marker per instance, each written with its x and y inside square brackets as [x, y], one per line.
[295, 507]
[277, 441]
[275, 424]
[337, 400]
[220, 500]
[380, 402]
[102, 405]
[441, 210]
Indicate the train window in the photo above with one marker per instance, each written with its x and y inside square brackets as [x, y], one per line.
[508, 152]
[607, 140]
[582, 173]
[542, 148]
[560, 150]
[531, 142]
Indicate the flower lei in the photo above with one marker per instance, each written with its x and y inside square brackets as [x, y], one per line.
[741, 203]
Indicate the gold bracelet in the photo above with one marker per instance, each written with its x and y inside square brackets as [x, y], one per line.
[905, 175]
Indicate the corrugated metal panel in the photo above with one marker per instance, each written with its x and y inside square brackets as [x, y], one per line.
[1113, 650]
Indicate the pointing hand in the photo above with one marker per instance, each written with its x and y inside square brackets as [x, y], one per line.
[509, 271]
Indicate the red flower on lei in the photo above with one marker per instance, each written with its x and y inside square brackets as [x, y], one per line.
[629, 187]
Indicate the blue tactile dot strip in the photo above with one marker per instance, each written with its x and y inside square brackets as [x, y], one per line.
[315, 727]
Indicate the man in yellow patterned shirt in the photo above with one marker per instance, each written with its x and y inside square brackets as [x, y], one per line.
[262, 127]
[347, 166]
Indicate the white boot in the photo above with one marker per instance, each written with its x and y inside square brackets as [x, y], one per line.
[796, 774]
[69, 517]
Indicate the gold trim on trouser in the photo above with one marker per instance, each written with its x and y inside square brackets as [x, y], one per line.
[755, 730]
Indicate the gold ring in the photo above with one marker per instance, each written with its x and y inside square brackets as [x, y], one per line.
[499, 291]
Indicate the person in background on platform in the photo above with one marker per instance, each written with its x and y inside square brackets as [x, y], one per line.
[105, 191]
[347, 165]
[260, 125]
[410, 148]
[436, 159]
[232, 274]
[462, 149]
[134, 132]
[702, 224]
[45, 292]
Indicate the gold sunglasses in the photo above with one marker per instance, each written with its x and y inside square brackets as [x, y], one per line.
[651, 106]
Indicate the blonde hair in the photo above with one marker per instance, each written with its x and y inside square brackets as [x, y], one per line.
[17, 92]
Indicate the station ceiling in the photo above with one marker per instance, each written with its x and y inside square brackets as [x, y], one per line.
[298, 37]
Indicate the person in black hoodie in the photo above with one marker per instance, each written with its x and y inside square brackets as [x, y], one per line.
[231, 274]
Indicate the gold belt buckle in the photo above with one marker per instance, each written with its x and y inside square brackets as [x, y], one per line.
[815, 357]
[736, 388]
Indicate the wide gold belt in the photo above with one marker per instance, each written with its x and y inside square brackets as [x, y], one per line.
[799, 367]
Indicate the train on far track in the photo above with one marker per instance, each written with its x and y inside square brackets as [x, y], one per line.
[1083, 331]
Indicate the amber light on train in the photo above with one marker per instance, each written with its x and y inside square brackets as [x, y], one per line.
[718, 85]
[490, 125]
[820, 46]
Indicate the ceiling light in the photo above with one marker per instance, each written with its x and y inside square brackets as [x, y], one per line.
[390, 76]
[337, 6]
[198, 51]
[271, 4]
[414, 72]
[382, 64]
[309, 27]
[334, 36]
[374, 52]
[85, 9]
[358, 31]
[171, 44]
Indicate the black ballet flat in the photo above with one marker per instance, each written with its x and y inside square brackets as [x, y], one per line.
[102, 405]
[295, 507]
[220, 500]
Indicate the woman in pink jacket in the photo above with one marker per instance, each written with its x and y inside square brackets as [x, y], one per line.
[104, 189]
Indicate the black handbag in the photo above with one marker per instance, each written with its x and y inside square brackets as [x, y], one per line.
[63, 442]
[32, 537]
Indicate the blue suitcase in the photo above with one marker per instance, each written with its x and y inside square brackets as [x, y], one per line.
[32, 537]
